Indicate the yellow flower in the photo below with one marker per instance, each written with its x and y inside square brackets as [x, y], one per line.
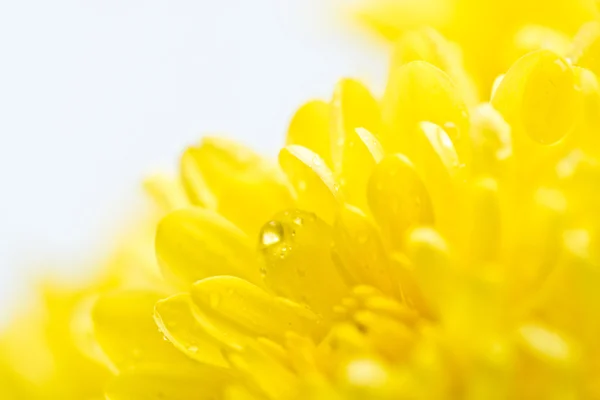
[425, 244]
[486, 30]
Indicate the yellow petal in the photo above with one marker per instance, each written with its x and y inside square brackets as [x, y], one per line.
[263, 373]
[296, 249]
[314, 182]
[352, 106]
[361, 153]
[166, 192]
[491, 141]
[538, 96]
[167, 383]
[536, 37]
[252, 309]
[233, 171]
[427, 44]
[391, 17]
[586, 47]
[484, 239]
[359, 247]
[175, 319]
[194, 183]
[398, 198]
[587, 131]
[195, 243]
[443, 173]
[418, 92]
[126, 331]
[310, 128]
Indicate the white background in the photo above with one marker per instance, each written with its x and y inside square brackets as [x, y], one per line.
[96, 94]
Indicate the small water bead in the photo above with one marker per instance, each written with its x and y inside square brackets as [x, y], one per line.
[298, 265]
[298, 220]
[271, 233]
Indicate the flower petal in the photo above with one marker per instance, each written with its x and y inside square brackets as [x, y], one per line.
[310, 128]
[361, 153]
[195, 243]
[398, 198]
[296, 249]
[358, 244]
[126, 331]
[159, 382]
[232, 171]
[418, 92]
[252, 309]
[352, 106]
[175, 318]
[314, 182]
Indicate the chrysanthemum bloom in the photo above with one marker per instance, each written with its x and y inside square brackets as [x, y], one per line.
[439, 242]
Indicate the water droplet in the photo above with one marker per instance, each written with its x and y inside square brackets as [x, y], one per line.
[271, 233]
[298, 220]
[263, 271]
[193, 349]
[283, 252]
[165, 338]
[214, 300]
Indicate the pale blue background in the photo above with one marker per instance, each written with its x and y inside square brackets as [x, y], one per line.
[95, 94]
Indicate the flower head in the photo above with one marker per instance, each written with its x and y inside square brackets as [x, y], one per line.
[424, 244]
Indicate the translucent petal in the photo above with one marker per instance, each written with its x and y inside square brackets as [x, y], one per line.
[310, 128]
[159, 382]
[430, 257]
[263, 373]
[195, 243]
[362, 151]
[586, 47]
[587, 136]
[251, 308]
[398, 198]
[443, 173]
[491, 141]
[484, 239]
[314, 182]
[232, 171]
[537, 37]
[358, 244]
[352, 106]
[538, 96]
[418, 92]
[175, 319]
[194, 183]
[296, 249]
[390, 17]
[427, 44]
[538, 242]
[166, 192]
[126, 331]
